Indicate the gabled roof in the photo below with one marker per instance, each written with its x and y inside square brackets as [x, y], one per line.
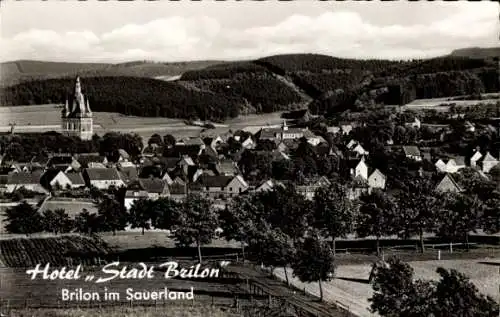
[376, 172]
[214, 181]
[448, 184]
[75, 178]
[489, 158]
[128, 173]
[102, 174]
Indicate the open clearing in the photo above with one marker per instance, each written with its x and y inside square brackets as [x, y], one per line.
[351, 288]
[42, 118]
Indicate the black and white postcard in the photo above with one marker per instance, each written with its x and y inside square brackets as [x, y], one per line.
[249, 159]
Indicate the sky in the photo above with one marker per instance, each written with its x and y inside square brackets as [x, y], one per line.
[116, 31]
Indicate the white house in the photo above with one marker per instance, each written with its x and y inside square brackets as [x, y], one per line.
[360, 150]
[475, 158]
[360, 170]
[103, 178]
[377, 179]
[488, 162]
[441, 166]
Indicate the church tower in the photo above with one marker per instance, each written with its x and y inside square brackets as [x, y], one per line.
[76, 115]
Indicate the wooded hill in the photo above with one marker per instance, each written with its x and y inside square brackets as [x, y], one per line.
[26, 70]
[323, 83]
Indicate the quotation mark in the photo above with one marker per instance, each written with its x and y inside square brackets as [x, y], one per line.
[224, 263]
[89, 278]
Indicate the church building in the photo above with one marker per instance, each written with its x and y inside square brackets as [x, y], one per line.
[77, 116]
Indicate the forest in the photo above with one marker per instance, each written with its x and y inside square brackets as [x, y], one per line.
[282, 82]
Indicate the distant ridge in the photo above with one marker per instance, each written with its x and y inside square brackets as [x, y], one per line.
[477, 52]
[24, 70]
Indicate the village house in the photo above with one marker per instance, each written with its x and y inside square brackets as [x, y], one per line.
[123, 156]
[488, 162]
[217, 186]
[103, 178]
[308, 189]
[358, 168]
[476, 157]
[377, 180]
[415, 124]
[54, 178]
[63, 162]
[91, 160]
[412, 152]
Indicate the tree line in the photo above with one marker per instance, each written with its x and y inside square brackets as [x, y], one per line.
[280, 227]
[24, 147]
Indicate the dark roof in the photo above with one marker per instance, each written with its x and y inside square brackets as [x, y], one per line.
[102, 174]
[85, 159]
[214, 181]
[128, 173]
[75, 178]
[4, 179]
[411, 150]
[153, 185]
[48, 176]
[25, 178]
[179, 150]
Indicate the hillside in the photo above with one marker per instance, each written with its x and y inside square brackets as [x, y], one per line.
[25, 70]
[128, 95]
[477, 52]
[223, 90]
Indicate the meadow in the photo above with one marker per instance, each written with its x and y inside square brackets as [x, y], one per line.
[351, 288]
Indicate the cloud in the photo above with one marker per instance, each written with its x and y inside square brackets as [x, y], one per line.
[340, 33]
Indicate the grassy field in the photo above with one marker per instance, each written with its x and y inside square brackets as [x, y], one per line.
[176, 310]
[42, 118]
[442, 104]
[351, 288]
[135, 240]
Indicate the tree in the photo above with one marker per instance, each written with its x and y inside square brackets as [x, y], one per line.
[333, 212]
[169, 140]
[164, 210]
[141, 213]
[314, 261]
[57, 221]
[195, 222]
[396, 294]
[155, 139]
[456, 294]
[375, 217]
[23, 218]
[490, 220]
[417, 210]
[242, 219]
[459, 215]
[275, 249]
[112, 215]
[87, 223]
